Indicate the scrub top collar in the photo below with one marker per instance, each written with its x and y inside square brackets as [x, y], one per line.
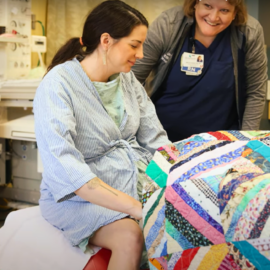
[197, 43]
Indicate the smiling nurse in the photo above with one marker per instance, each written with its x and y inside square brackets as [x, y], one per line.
[226, 90]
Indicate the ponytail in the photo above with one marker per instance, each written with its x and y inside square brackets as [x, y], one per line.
[67, 52]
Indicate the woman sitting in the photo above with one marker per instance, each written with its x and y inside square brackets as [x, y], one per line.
[96, 131]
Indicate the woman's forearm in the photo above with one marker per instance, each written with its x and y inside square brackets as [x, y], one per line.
[98, 192]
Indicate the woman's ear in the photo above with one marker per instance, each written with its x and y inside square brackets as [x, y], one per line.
[105, 41]
[234, 15]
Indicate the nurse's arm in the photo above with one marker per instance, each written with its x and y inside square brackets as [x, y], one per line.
[153, 47]
[98, 192]
[256, 79]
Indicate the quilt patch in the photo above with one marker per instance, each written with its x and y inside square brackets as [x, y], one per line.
[207, 203]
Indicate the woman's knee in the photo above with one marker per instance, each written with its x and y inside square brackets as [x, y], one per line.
[130, 238]
[124, 234]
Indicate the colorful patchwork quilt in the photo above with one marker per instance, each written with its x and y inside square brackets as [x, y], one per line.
[206, 203]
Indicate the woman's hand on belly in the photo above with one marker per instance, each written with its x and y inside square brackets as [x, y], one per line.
[98, 192]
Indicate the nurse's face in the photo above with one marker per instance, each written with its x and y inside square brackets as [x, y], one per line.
[124, 53]
[213, 16]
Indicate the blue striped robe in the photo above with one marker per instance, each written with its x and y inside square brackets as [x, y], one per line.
[78, 141]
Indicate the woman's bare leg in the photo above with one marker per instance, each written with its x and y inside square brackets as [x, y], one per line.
[124, 238]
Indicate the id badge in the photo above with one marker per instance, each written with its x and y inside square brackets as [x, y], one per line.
[192, 64]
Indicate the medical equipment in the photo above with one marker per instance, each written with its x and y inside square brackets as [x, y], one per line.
[18, 144]
[20, 166]
[15, 49]
[38, 44]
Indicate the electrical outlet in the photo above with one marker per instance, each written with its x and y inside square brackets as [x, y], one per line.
[33, 17]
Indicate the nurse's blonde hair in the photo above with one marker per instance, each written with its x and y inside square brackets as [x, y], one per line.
[240, 8]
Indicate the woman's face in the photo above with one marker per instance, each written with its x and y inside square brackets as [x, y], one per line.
[213, 16]
[124, 53]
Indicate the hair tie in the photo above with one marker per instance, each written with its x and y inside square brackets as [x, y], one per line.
[81, 42]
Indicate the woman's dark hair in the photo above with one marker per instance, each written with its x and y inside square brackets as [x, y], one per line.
[113, 17]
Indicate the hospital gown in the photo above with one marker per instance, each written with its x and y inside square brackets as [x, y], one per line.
[78, 140]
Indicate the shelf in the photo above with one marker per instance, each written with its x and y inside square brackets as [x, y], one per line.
[19, 129]
[14, 40]
[16, 103]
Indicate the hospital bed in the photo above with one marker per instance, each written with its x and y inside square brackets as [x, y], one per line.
[28, 242]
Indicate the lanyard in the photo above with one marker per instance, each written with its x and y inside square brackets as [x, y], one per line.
[192, 44]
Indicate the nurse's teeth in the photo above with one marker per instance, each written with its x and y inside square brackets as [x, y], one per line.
[213, 24]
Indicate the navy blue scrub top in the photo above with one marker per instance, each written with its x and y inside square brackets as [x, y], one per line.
[193, 104]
